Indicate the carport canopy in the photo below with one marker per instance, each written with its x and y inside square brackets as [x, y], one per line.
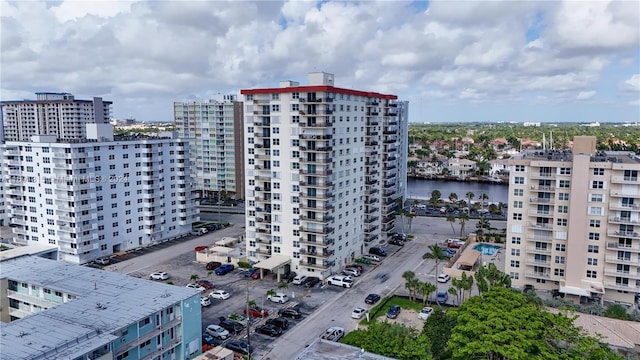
[469, 258]
[274, 262]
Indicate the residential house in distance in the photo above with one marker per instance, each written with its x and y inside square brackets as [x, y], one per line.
[57, 310]
[99, 195]
[573, 223]
[325, 167]
[58, 114]
[461, 168]
[217, 132]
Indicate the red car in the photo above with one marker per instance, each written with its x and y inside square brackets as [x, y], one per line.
[205, 284]
[200, 248]
[256, 312]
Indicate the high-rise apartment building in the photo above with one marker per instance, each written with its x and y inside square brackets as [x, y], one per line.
[217, 131]
[100, 195]
[56, 310]
[323, 173]
[573, 222]
[58, 114]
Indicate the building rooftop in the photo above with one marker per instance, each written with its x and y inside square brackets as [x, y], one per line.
[105, 302]
[329, 350]
[623, 157]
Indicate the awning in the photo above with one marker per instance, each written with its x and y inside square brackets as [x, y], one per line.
[572, 290]
[226, 241]
[274, 262]
[469, 257]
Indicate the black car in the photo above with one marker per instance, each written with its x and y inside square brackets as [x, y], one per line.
[279, 322]
[269, 330]
[395, 241]
[377, 251]
[393, 312]
[311, 282]
[372, 299]
[288, 277]
[239, 346]
[291, 313]
[231, 326]
[212, 265]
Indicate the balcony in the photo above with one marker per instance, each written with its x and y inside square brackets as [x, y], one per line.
[537, 200]
[317, 230]
[317, 207]
[315, 124]
[263, 231]
[624, 234]
[543, 226]
[324, 265]
[325, 253]
[263, 251]
[548, 214]
[622, 220]
[539, 250]
[371, 237]
[542, 176]
[319, 219]
[624, 207]
[371, 200]
[317, 184]
[372, 122]
[624, 180]
[621, 273]
[621, 286]
[538, 275]
[317, 172]
[612, 245]
[535, 262]
[318, 160]
[622, 193]
[622, 260]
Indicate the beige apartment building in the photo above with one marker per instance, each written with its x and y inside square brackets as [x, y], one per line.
[574, 222]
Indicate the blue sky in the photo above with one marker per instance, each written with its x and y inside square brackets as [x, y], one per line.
[454, 61]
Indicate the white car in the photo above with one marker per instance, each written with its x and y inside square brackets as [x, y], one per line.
[195, 286]
[351, 272]
[298, 280]
[359, 312]
[220, 294]
[217, 332]
[278, 298]
[425, 313]
[371, 257]
[160, 275]
[443, 278]
[205, 301]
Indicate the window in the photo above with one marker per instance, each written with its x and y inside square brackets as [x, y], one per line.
[515, 263]
[594, 223]
[514, 275]
[515, 252]
[518, 192]
[563, 196]
[565, 171]
[561, 222]
[515, 240]
[517, 204]
[517, 216]
[596, 197]
[560, 259]
[594, 236]
[592, 261]
[561, 247]
[595, 210]
[564, 184]
[558, 272]
[597, 184]
[592, 274]
[593, 249]
[563, 209]
[598, 171]
[518, 180]
[520, 168]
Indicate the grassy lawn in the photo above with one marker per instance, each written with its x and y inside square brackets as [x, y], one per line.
[383, 306]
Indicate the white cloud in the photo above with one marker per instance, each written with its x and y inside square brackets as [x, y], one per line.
[71, 10]
[635, 102]
[633, 83]
[584, 95]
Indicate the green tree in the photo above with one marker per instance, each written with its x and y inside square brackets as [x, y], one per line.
[470, 196]
[435, 197]
[409, 278]
[453, 198]
[462, 219]
[194, 277]
[270, 292]
[390, 339]
[425, 289]
[502, 324]
[437, 329]
[483, 197]
[283, 285]
[452, 220]
[617, 311]
[435, 253]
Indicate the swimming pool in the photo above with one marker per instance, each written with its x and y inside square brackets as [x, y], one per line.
[487, 249]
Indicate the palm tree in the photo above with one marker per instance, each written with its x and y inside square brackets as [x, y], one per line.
[453, 291]
[435, 197]
[482, 198]
[414, 285]
[425, 289]
[462, 219]
[436, 253]
[408, 276]
[466, 282]
[194, 277]
[410, 220]
[452, 219]
[270, 292]
[453, 197]
[470, 196]
[457, 286]
[283, 285]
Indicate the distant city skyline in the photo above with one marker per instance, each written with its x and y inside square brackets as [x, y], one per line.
[454, 61]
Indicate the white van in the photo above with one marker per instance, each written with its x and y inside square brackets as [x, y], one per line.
[299, 279]
[371, 257]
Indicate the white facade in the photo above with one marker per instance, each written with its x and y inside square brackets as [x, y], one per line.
[58, 114]
[95, 198]
[217, 132]
[573, 222]
[323, 172]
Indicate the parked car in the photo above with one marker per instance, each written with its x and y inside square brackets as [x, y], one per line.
[311, 282]
[210, 340]
[231, 326]
[340, 280]
[239, 346]
[279, 322]
[212, 265]
[395, 241]
[288, 277]
[455, 243]
[278, 298]
[442, 296]
[299, 280]
[195, 286]
[425, 313]
[355, 266]
[256, 312]
[399, 236]
[205, 284]
[377, 251]
[443, 278]
[224, 269]
[250, 272]
[291, 313]
[220, 295]
[160, 275]
[200, 248]
[371, 257]
[333, 334]
[269, 330]
[217, 331]
[358, 313]
[393, 312]
[205, 301]
[372, 299]
[103, 261]
[256, 275]
[351, 272]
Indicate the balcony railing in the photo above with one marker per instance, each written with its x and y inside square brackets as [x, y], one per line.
[536, 274]
[619, 246]
[625, 234]
[623, 220]
[621, 286]
[621, 273]
[537, 200]
[539, 250]
[633, 260]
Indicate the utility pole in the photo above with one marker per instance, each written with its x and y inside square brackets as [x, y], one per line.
[248, 325]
